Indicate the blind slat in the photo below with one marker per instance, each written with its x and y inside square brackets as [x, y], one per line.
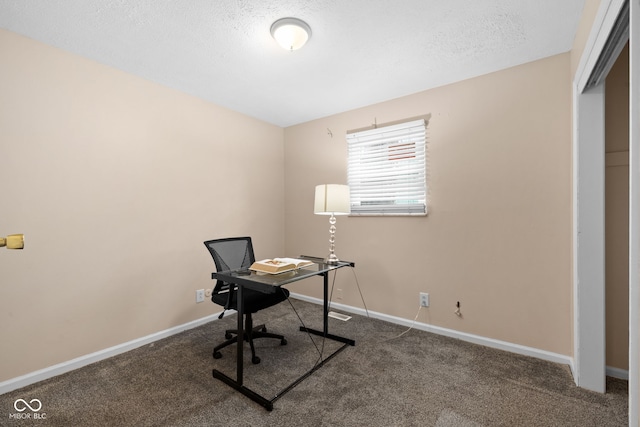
[387, 170]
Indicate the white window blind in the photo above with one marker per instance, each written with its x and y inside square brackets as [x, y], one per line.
[387, 170]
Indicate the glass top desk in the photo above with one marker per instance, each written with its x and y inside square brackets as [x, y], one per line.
[268, 283]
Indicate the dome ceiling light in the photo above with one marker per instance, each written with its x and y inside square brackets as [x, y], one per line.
[290, 33]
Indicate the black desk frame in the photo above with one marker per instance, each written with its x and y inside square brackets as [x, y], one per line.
[268, 284]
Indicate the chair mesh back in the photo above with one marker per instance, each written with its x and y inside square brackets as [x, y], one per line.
[231, 254]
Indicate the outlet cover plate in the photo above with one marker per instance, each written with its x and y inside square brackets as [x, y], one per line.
[424, 299]
[200, 295]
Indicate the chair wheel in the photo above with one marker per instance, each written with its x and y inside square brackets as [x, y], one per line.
[228, 336]
[217, 355]
[255, 360]
[283, 341]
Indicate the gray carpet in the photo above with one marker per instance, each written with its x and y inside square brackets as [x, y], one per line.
[419, 379]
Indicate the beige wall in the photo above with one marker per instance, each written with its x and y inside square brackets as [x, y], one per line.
[116, 182]
[498, 234]
[617, 212]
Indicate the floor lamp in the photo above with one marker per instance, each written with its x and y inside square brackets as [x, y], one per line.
[332, 199]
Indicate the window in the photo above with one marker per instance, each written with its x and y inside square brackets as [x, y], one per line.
[387, 170]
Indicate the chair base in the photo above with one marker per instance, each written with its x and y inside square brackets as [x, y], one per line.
[250, 333]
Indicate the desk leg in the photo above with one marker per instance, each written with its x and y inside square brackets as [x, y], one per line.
[325, 318]
[240, 343]
[237, 384]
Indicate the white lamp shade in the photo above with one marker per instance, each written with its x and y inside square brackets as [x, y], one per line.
[290, 33]
[332, 199]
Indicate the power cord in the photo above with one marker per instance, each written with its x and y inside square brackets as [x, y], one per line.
[320, 349]
[415, 319]
[333, 283]
[353, 270]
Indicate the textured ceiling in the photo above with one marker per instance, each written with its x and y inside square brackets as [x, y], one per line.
[360, 52]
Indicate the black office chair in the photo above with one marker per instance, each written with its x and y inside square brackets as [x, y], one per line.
[237, 253]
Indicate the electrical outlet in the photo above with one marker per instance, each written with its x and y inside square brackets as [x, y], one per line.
[338, 294]
[424, 299]
[200, 295]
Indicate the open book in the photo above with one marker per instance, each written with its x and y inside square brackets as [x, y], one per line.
[279, 265]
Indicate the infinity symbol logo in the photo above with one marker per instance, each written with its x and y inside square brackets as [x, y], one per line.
[26, 405]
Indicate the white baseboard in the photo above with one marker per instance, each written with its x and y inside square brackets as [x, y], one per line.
[617, 373]
[61, 368]
[79, 362]
[476, 339]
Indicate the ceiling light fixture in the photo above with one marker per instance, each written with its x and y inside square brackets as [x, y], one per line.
[290, 33]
